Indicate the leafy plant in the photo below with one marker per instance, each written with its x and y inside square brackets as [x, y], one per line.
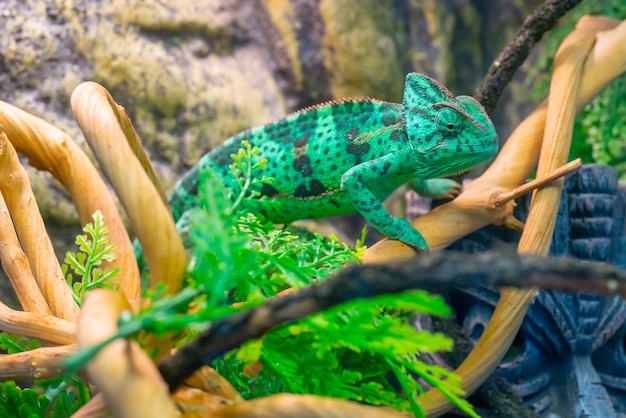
[59, 397]
[15, 344]
[238, 260]
[353, 351]
[93, 249]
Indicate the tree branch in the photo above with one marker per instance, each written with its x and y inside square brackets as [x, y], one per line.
[441, 270]
[513, 55]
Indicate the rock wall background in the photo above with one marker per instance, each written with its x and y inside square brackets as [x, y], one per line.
[191, 73]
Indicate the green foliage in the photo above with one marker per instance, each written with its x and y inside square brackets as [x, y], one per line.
[245, 163]
[599, 131]
[21, 403]
[59, 397]
[238, 260]
[93, 249]
[349, 352]
[15, 344]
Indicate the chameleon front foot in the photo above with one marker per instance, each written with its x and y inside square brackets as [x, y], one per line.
[403, 231]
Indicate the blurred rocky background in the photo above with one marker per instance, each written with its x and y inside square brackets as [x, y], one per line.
[191, 73]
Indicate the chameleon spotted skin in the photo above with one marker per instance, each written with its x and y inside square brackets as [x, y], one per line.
[349, 156]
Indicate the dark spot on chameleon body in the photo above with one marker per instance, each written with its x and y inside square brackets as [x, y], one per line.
[190, 181]
[303, 165]
[302, 141]
[470, 147]
[385, 168]
[334, 203]
[315, 188]
[352, 134]
[358, 150]
[427, 139]
[223, 159]
[395, 136]
[388, 119]
[268, 190]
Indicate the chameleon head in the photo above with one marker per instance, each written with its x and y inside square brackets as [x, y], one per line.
[446, 134]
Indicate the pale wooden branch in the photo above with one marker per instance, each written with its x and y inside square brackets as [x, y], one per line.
[29, 324]
[42, 363]
[210, 381]
[31, 230]
[124, 374]
[303, 406]
[16, 266]
[99, 117]
[48, 148]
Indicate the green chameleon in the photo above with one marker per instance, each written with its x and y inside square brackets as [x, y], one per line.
[348, 156]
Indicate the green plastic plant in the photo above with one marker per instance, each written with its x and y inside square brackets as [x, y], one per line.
[93, 249]
[238, 260]
[59, 397]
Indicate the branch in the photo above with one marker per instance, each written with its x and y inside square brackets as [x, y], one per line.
[513, 55]
[441, 270]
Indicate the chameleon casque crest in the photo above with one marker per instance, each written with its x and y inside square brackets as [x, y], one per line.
[348, 156]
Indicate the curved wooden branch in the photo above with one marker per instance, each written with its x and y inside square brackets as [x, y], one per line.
[42, 363]
[18, 195]
[29, 324]
[100, 119]
[124, 374]
[16, 266]
[48, 148]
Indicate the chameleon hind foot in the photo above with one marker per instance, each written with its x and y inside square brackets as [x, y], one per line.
[436, 188]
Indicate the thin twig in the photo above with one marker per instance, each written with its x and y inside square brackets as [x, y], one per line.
[538, 182]
[441, 270]
[513, 55]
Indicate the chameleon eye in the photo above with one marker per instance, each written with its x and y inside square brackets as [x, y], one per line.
[449, 122]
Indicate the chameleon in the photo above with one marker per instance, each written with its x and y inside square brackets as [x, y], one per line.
[349, 155]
